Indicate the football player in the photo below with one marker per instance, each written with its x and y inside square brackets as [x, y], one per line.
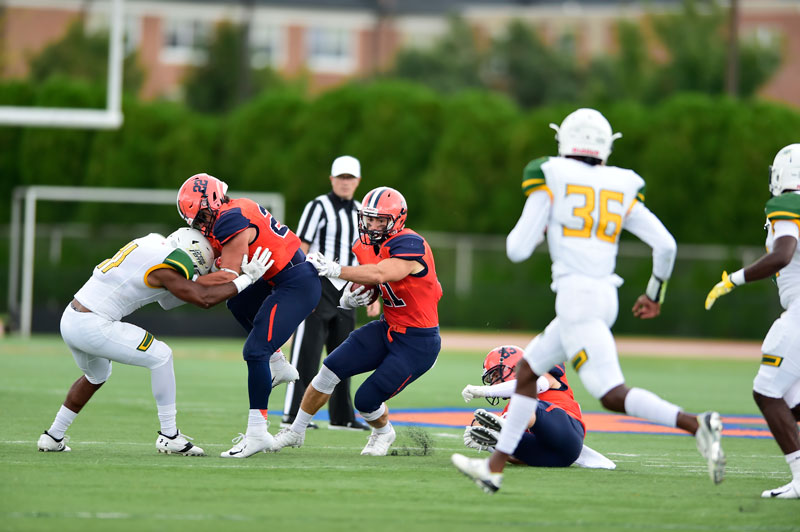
[776, 388]
[148, 269]
[269, 310]
[555, 436]
[584, 205]
[399, 347]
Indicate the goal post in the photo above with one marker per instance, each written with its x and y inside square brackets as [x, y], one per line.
[108, 118]
[23, 230]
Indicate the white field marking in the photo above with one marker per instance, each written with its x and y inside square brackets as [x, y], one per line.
[447, 435]
[121, 515]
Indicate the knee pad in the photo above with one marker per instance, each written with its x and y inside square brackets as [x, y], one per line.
[160, 354]
[325, 381]
[372, 416]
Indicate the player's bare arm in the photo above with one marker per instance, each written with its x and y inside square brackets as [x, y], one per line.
[231, 259]
[386, 271]
[773, 262]
[189, 291]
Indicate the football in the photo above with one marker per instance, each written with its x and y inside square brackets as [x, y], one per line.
[374, 292]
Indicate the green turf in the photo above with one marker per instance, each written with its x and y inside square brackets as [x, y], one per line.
[114, 480]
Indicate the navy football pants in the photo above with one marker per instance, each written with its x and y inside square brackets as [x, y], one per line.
[555, 440]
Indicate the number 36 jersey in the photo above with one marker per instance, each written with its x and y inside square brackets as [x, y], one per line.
[589, 205]
[118, 285]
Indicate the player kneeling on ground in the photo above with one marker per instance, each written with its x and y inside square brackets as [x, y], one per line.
[146, 270]
[555, 436]
[398, 348]
[776, 388]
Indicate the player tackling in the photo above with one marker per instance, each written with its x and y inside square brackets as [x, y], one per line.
[584, 205]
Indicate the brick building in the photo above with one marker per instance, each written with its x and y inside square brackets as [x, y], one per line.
[335, 40]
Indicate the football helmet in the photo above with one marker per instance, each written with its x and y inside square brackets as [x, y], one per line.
[196, 246]
[498, 366]
[199, 200]
[784, 173]
[585, 133]
[385, 203]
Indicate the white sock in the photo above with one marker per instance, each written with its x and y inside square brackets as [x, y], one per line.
[386, 429]
[61, 423]
[793, 459]
[301, 421]
[256, 422]
[647, 405]
[519, 415]
[166, 416]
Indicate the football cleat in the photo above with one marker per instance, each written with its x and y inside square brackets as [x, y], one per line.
[708, 436]
[47, 444]
[477, 469]
[178, 444]
[481, 438]
[245, 445]
[378, 444]
[350, 425]
[489, 420]
[282, 371]
[288, 438]
[789, 491]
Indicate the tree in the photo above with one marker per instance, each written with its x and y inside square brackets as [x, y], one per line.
[84, 56]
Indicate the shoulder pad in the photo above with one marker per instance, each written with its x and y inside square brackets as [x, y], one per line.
[533, 176]
[230, 223]
[406, 246]
[180, 261]
[783, 207]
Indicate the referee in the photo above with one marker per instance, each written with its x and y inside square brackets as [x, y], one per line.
[329, 225]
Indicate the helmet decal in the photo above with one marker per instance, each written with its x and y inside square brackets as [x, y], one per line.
[199, 200]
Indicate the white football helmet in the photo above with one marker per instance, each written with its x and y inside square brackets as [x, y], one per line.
[585, 133]
[196, 245]
[784, 174]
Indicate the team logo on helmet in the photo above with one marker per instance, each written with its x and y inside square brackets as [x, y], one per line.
[499, 365]
[382, 205]
[199, 200]
[196, 246]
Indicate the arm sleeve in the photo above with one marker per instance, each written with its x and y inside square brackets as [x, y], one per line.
[646, 226]
[529, 231]
[309, 221]
[504, 389]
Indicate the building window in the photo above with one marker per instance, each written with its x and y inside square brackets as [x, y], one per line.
[330, 50]
[266, 46]
[185, 41]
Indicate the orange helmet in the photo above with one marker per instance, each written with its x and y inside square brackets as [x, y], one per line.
[498, 366]
[199, 200]
[382, 202]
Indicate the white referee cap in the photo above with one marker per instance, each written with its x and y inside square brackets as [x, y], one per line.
[346, 165]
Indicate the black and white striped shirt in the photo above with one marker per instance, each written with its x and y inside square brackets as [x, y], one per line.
[329, 225]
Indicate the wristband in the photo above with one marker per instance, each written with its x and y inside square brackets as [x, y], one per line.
[737, 277]
[242, 282]
[656, 289]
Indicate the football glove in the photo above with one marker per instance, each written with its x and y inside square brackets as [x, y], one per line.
[725, 286]
[258, 265]
[353, 299]
[325, 267]
[470, 392]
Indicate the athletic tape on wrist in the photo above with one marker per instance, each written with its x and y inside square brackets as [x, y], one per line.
[656, 289]
[242, 282]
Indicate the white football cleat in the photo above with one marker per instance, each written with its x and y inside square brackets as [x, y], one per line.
[288, 438]
[282, 371]
[481, 438]
[47, 444]
[249, 445]
[789, 491]
[708, 436]
[378, 444]
[477, 469]
[489, 420]
[178, 444]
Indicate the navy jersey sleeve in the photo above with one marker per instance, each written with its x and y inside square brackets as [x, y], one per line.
[557, 371]
[408, 247]
[229, 224]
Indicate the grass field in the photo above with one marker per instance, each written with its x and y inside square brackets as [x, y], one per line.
[114, 480]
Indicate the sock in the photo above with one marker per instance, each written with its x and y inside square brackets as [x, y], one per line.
[793, 459]
[61, 423]
[256, 422]
[259, 383]
[386, 429]
[166, 416]
[647, 405]
[301, 421]
[519, 415]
